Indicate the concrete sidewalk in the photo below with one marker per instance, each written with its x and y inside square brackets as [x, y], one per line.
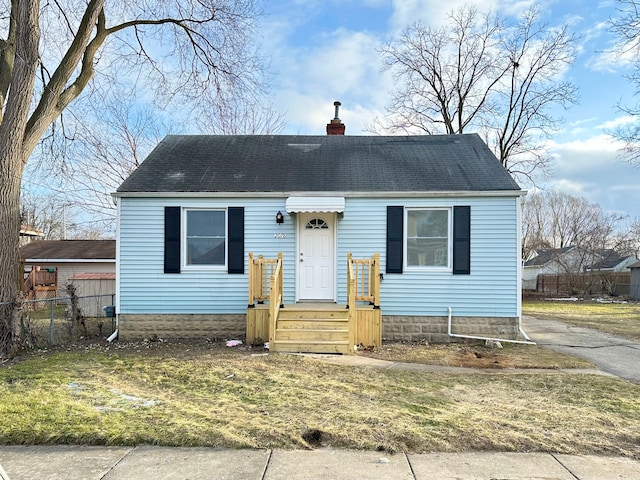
[158, 463]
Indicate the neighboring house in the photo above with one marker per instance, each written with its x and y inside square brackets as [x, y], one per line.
[611, 261]
[571, 260]
[551, 261]
[29, 234]
[69, 257]
[441, 211]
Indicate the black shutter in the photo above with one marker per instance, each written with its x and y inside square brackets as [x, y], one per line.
[171, 239]
[461, 240]
[235, 250]
[395, 241]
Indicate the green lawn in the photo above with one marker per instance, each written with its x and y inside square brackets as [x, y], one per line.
[618, 318]
[200, 394]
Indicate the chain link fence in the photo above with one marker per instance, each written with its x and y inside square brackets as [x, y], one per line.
[60, 321]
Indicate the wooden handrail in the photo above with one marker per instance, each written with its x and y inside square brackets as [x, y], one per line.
[366, 275]
[351, 304]
[261, 271]
[40, 277]
[275, 299]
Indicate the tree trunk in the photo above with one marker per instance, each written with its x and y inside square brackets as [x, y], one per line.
[12, 161]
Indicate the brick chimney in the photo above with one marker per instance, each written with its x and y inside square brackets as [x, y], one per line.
[336, 127]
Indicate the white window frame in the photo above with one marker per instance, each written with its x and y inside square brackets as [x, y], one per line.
[185, 244]
[449, 266]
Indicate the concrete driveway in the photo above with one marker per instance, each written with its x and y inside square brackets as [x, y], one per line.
[616, 355]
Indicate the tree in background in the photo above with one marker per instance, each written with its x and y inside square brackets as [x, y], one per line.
[51, 51]
[627, 28]
[108, 135]
[555, 220]
[478, 74]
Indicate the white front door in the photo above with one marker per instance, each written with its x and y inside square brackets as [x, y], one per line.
[316, 260]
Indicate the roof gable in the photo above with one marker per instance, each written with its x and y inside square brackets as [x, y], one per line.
[332, 163]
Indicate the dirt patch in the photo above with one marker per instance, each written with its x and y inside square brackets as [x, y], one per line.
[475, 355]
[468, 354]
[187, 349]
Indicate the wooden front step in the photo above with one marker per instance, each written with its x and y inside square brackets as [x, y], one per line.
[312, 335]
[314, 324]
[295, 346]
[316, 328]
[317, 318]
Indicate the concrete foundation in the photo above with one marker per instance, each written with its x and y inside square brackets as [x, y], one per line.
[397, 328]
[137, 327]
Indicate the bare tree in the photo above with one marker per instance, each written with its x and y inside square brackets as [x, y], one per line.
[112, 134]
[238, 115]
[575, 234]
[627, 28]
[555, 220]
[182, 48]
[479, 74]
[626, 241]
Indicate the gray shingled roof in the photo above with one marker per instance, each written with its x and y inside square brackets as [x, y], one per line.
[610, 259]
[327, 163]
[544, 256]
[70, 250]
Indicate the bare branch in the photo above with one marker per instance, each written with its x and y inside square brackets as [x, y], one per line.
[476, 74]
[627, 28]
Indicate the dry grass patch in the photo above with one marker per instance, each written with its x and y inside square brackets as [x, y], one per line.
[617, 318]
[211, 396]
[476, 355]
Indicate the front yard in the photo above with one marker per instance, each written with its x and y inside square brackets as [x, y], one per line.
[617, 318]
[187, 394]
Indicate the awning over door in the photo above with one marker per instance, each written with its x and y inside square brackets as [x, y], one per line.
[315, 204]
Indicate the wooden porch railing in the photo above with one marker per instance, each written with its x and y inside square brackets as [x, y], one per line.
[351, 304]
[40, 278]
[261, 271]
[275, 299]
[366, 277]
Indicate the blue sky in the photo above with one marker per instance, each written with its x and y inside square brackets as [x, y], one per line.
[326, 50]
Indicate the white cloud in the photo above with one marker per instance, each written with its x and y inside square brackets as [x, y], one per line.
[342, 65]
[591, 169]
[617, 122]
[582, 121]
[435, 12]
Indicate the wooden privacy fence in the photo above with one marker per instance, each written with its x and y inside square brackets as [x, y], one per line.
[261, 271]
[589, 283]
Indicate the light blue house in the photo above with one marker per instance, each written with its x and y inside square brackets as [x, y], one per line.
[441, 212]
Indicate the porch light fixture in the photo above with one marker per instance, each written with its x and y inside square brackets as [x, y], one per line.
[279, 217]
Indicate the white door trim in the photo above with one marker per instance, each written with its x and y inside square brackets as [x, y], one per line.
[302, 219]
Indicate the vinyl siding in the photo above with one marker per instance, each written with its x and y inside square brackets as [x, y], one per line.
[490, 290]
[145, 288]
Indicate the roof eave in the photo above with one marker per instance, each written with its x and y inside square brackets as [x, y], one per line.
[70, 260]
[378, 194]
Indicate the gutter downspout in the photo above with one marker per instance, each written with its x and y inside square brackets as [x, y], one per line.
[528, 341]
[114, 335]
[116, 304]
